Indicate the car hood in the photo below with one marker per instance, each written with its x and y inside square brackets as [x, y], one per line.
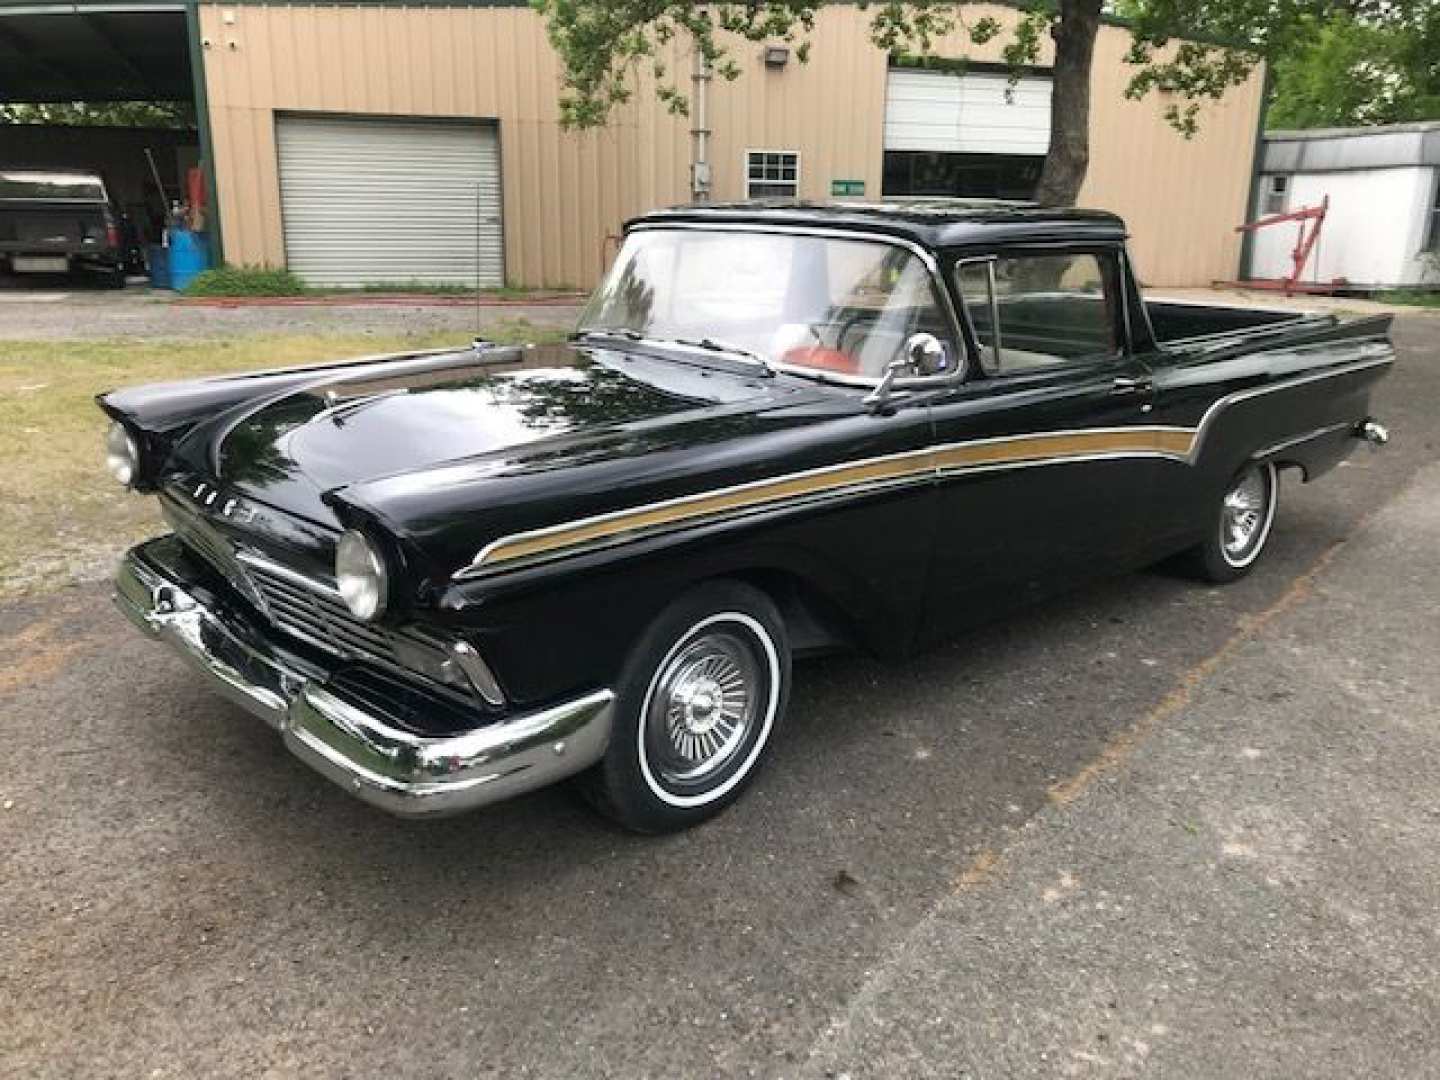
[435, 429]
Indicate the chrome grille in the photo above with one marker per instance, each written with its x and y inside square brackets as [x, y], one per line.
[304, 607]
[321, 617]
[202, 539]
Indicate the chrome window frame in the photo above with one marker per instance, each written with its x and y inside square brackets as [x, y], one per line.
[1020, 249]
[988, 261]
[1130, 290]
[927, 259]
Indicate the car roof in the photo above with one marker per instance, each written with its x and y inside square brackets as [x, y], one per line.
[934, 223]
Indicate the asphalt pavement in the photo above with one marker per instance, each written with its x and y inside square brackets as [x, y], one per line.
[1151, 828]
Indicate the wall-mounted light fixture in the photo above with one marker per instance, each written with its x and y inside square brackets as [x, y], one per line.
[777, 56]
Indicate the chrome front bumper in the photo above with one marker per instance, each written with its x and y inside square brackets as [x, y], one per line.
[349, 740]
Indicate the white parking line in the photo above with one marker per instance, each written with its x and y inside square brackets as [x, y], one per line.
[32, 297]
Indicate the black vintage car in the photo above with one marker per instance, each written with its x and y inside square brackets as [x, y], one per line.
[449, 577]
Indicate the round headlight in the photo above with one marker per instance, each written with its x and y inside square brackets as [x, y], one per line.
[361, 576]
[122, 455]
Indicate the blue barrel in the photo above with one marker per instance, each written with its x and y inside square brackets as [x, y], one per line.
[189, 255]
[158, 259]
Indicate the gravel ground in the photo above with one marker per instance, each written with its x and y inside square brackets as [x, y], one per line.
[1152, 827]
[137, 312]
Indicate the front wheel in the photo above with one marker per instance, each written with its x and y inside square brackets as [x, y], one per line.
[1239, 525]
[700, 698]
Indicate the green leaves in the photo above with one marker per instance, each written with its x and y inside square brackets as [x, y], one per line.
[605, 46]
[1361, 71]
[160, 114]
[1335, 62]
[602, 46]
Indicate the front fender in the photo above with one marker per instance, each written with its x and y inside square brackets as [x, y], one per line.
[552, 628]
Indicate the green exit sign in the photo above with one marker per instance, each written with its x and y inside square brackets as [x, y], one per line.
[847, 187]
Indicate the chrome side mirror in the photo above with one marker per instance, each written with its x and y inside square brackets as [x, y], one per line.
[922, 354]
[925, 354]
[878, 398]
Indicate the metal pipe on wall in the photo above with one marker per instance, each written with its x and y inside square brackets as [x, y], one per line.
[699, 132]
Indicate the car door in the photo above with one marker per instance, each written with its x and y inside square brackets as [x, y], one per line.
[1046, 454]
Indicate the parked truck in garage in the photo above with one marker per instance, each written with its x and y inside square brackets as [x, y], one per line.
[60, 222]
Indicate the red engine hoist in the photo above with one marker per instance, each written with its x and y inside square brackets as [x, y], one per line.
[1304, 244]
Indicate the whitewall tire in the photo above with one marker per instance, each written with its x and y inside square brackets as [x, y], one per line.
[698, 703]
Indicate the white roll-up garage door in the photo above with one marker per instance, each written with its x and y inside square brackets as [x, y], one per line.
[967, 114]
[380, 200]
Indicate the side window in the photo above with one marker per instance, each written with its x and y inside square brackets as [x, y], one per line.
[1038, 311]
[1277, 194]
[771, 174]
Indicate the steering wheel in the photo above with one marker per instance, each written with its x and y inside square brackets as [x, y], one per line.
[853, 320]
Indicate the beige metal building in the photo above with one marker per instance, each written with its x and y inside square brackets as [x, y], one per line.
[377, 142]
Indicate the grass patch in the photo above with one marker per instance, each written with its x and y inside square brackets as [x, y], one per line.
[432, 288]
[228, 281]
[245, 281]
[1412, 298]
[62, 519]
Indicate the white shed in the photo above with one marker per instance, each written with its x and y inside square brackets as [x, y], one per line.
[1383, 227]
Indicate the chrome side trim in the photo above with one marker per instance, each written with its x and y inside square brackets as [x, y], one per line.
[902, 474]
[866, 476]
[478, 672]
[847, 480]
[1287, 444]
[354, 746]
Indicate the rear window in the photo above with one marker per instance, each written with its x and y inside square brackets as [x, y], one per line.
[31, 185]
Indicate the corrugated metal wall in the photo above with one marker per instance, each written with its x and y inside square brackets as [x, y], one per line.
[366, 200]
[565, 192]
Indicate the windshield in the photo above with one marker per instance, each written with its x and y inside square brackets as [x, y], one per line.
[34, 185]
[809, 302]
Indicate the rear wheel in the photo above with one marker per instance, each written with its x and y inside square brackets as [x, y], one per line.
[700, 697]
[1240, 525]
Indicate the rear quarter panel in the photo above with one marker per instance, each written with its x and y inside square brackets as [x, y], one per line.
[1294, 401]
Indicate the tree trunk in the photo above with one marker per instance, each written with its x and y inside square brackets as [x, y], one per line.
[1069, 156]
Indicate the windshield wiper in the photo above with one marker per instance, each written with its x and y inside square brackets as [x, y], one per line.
[711, 344]
[337, 406]
[607, 332]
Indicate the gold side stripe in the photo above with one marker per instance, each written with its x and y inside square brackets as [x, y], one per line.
[1030, 449]
[863, 475]
[1179, 443]
[694, 507]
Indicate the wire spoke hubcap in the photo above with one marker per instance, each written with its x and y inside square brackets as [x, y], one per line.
[706, 700]
[1243, 516]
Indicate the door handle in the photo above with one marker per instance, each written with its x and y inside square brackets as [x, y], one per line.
[1126, 385]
